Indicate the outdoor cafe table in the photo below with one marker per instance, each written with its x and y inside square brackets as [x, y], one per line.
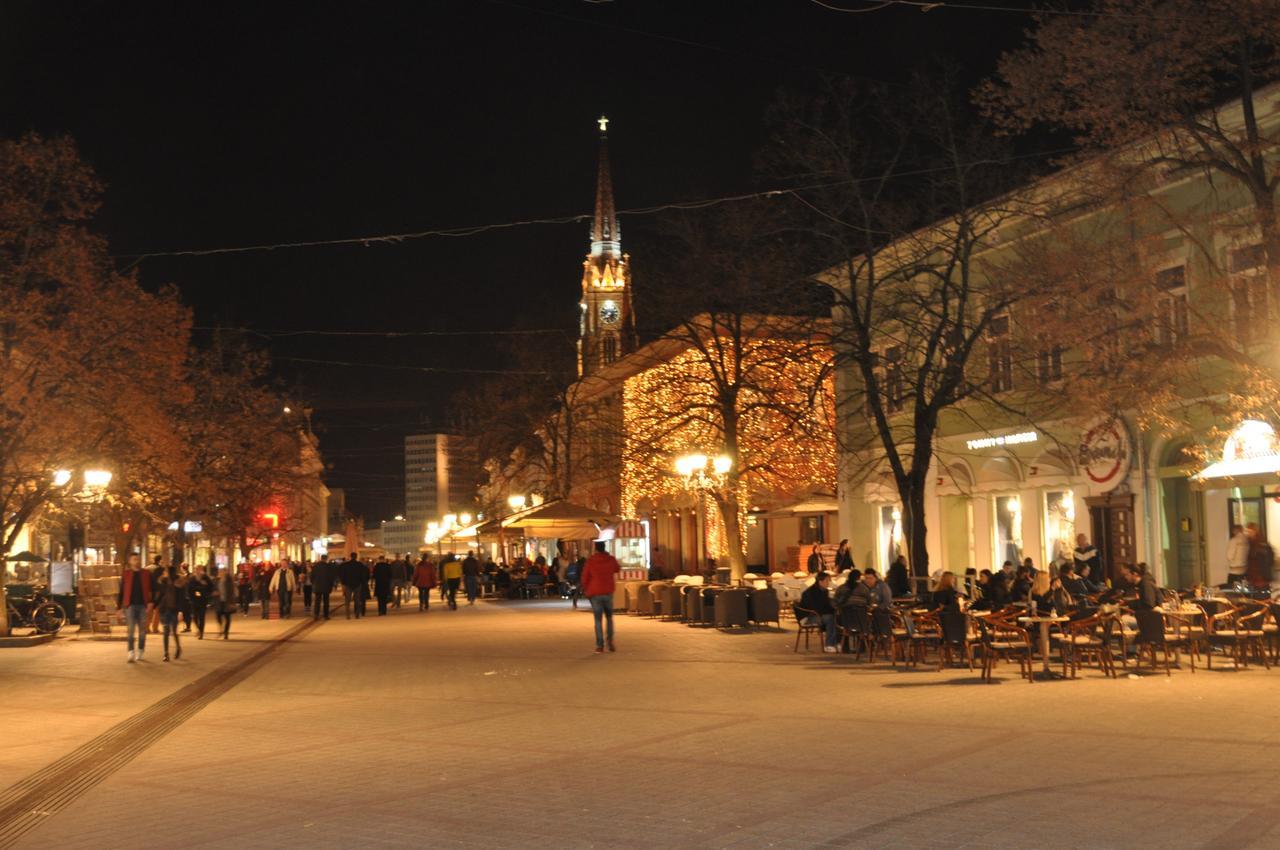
[1044, 622]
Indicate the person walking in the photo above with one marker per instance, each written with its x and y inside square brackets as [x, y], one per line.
[349, 574]
[572, 577]
[471, 576]
[153, 615]
[135, 600]
[382, 585]
[244, 587]
[322, 575]
[399, 579]
[185, 572]
[283, 582]
[170, 591]
[452, 577]
[424, 579]
[199, 591]
[599, 579]
[306, 582]
[226, 593]
[262, 588]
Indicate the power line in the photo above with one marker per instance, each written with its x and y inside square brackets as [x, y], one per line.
[932, 5]
[412, 368]
[473, 230]
[389, 334]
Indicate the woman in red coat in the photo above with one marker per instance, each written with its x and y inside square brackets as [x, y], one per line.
[424, 578]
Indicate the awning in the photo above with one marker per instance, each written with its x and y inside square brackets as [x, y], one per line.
[1250, 458]
[561, 519]
[817, 504]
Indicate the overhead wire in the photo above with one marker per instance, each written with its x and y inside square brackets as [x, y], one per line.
[473, 230]
[932, 5]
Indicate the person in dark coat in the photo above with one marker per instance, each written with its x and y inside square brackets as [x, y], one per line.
[199, 593]
[400, 572]
[471, 576]
[323, 574]
[1145, 594]
[225, 591]
[171, 591]
[816, 600]
[844, 557]
[899, 578]
[262, 588]
[354, 577]
[382, 585]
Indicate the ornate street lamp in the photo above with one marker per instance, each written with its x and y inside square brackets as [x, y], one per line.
[701, 474]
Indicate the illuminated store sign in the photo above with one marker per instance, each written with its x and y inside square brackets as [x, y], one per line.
[1003, 440]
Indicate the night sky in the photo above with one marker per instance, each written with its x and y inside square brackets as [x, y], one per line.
[221, 124]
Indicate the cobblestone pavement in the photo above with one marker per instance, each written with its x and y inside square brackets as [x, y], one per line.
[497, 726]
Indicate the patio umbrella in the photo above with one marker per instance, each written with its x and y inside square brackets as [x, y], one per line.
[26, 558]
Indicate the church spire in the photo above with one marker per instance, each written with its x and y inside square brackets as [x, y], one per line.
[606, 239]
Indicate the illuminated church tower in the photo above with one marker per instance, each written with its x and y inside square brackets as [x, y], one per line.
[606, 328]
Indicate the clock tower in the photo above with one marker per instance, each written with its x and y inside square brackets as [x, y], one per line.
[606, 327]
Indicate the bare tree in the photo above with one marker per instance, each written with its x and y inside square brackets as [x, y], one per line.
[901, 194]
[742, 368]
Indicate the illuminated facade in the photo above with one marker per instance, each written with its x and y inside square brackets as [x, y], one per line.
[606, 326]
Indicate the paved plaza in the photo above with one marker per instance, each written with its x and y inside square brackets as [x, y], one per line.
[497, 726]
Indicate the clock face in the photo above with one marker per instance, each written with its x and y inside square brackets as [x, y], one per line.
[609, 313]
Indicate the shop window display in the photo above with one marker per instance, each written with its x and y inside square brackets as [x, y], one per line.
[1008, 537]
[890, 535]
[1059, 526]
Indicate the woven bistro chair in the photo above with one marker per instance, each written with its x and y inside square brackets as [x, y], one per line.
[1152, 637]
[853, 624]
[1240, 630]
[692, 604]
[764, 607]
[900, 628]
[926, 633]
[672, 596]
[1081, 640]
[956, 634]
[808, 623]
[731, 608]
[1005, 639]
[1271, 631]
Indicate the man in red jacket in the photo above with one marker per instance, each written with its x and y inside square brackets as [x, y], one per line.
[134, 599]
[599, 577]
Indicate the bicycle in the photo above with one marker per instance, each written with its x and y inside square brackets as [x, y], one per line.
[37, 612]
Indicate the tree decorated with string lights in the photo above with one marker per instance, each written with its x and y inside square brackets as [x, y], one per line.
[742, 371]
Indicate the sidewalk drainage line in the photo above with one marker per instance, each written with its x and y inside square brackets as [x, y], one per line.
[44, 793]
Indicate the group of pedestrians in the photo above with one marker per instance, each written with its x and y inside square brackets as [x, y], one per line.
[155, 599]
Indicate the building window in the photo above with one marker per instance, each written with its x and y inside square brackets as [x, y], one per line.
[1049, 365]
[1171, 306]
[1059, 525]
[891, 545]
[609, 348]
[1000, 355]
[1008, 531]
[1250, 303]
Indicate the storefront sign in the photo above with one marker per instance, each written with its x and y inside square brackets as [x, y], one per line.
[1003, 440]
[1104, 452]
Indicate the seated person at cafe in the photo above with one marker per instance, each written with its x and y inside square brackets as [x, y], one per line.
[1071, 582]
[1021, 586]
[945, 594]
[1085, 573]
[817, 601]
[871, 592]
[1143, 592]
[993, 595]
